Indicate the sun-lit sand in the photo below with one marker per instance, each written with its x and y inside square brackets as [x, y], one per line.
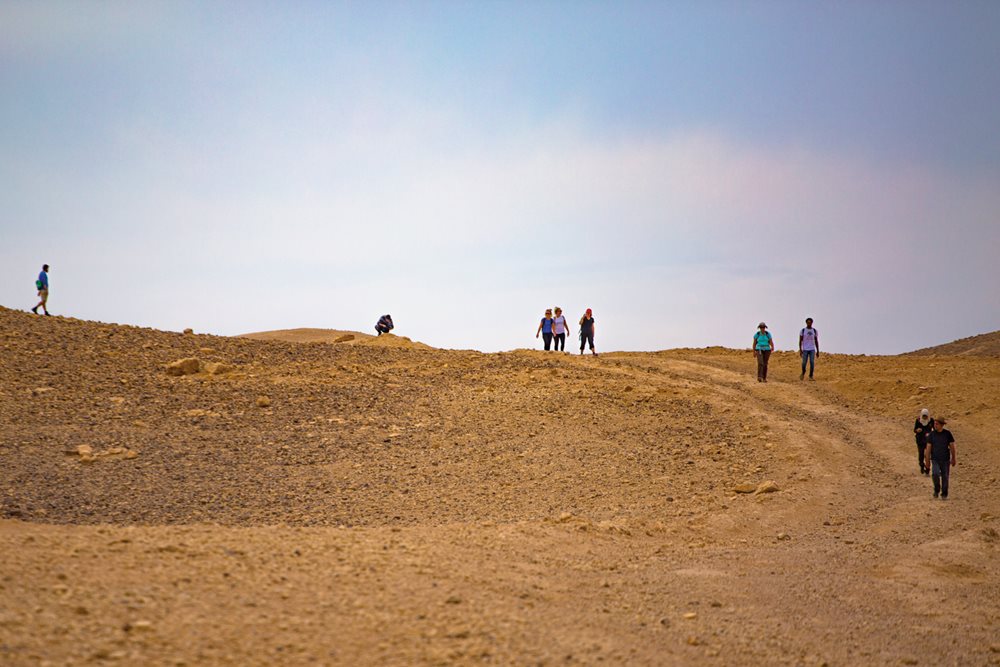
[295, 500]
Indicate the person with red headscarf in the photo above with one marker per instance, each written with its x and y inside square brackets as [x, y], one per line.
[587, 331]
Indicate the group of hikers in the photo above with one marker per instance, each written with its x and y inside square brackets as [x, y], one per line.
[935, 444]
[557, 328]
[763, 346]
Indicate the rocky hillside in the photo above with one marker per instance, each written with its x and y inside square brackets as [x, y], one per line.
[190, 499]
[983, 345]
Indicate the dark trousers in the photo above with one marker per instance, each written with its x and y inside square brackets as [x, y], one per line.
[939, 473]
[560, 342]
[920, 455]
[587, 338]
[547, 339]
[762, 357]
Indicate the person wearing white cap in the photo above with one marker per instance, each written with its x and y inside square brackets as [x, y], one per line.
[763, 345]
[921, 429]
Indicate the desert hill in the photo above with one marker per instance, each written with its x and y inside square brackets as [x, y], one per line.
[191, 499]
[336, 337]
[983, 345]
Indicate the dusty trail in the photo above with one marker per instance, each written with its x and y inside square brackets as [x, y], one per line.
[400, 505]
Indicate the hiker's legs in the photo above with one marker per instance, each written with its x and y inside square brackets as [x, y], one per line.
[936, 476]
[589, 339]
[945, 468]
[808, 356]
[561, 342]
[547, 339]
[920, 457]
[762, 364]
[43, 296]
[760, 376]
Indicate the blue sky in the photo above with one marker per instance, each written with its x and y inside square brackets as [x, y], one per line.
[685, 169]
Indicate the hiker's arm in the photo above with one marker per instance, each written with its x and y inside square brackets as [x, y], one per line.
[817, 344]
[800, 343]
[927, 454]
[951, 450]
[539, 330]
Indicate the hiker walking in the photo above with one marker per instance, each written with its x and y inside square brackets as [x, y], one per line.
[939, 456]
[42, 285]
[808, 347]
[384, 325]
[922, 427]
[560, 329]
[545, 328]
[763, 345]
[587, 331]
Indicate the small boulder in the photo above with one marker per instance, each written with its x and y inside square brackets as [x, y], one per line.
[263, 402]
[217, 368]
[188, 366]
[189, 331]
[745, 488]
[344, 338]
[767, 487]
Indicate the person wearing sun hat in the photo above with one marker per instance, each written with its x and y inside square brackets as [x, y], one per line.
[921, 429]
[587, 331]
[763, 345]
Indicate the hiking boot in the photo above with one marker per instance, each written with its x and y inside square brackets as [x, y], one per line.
[803, 375]
[944, 496]
[35, 310]
[47, 313]
[935, 494]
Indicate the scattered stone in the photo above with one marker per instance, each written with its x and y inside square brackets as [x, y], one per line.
[691, 615]
[206, 350]
[454, 599]
[344, 338]
[217, 368]
[263, 401]
[189, 331]
[745, 488]
[784, 536]
[188, 366]
[767, 487]
[84, 450]
[198, 412]
[131, 454]
[138, 626]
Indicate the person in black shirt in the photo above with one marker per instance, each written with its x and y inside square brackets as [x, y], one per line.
[587, 331]
[384, 325]
[939, 455]
[921, 428]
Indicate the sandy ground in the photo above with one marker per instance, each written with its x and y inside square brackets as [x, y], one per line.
[321, 503]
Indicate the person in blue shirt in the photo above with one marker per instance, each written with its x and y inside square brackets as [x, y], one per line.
[42, 284]
[545, 328]
[763, 345]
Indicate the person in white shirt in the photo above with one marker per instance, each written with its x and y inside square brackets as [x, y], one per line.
[560, 329]
[808, 347]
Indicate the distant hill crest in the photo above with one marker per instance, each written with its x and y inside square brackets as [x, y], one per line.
[983, 345]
